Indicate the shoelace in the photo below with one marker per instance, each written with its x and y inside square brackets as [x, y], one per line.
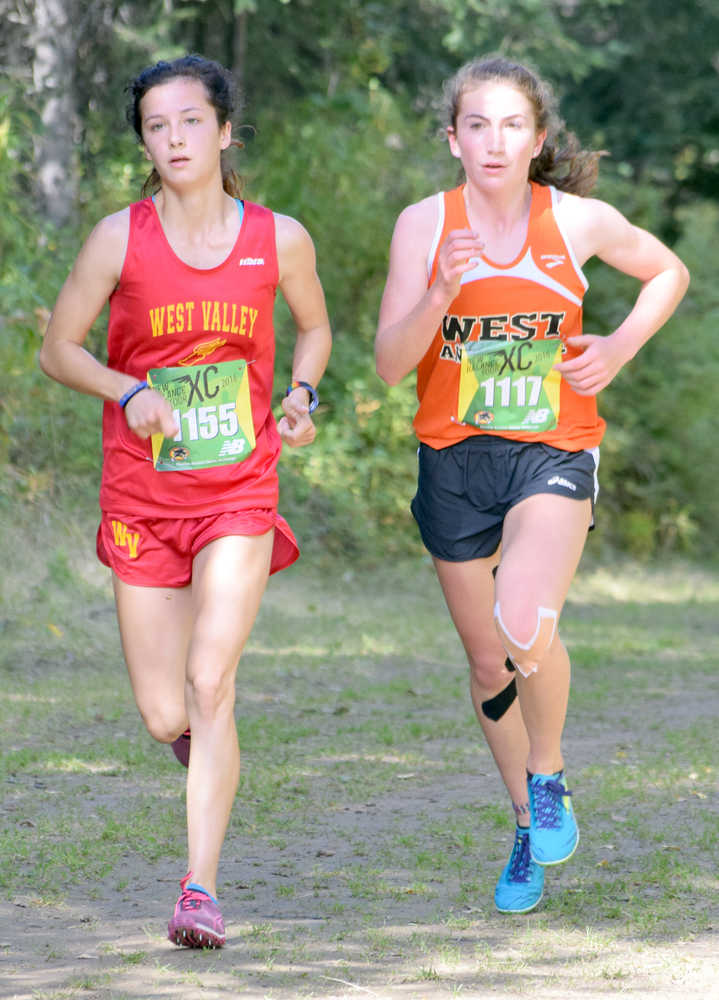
[191, 899]
[521, 858]
[548, 797]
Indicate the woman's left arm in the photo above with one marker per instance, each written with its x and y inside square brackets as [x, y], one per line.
[301, 288]
[597, 229]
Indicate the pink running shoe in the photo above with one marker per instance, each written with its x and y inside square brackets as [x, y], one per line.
[181, 748]
[197, 921]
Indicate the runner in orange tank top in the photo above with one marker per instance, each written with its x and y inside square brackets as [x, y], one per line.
[484, 298]
[189, 524]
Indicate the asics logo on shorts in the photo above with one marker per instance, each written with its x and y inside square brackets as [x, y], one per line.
[126, 539]
[559, 481]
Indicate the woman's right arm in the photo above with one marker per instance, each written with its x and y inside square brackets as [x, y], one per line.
[91, 281]
[87, 288]
[410, 311]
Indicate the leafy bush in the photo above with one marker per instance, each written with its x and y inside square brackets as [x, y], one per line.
[656, 459]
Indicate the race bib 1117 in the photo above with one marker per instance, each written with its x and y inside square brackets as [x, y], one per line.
[212, 407]
[510, 387]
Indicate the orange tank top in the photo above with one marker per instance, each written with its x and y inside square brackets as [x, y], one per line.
[507, 309]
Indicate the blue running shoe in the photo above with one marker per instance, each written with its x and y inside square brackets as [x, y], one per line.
[553, 833]
[521, 884]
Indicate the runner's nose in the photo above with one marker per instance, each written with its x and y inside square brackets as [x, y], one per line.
[496, 140]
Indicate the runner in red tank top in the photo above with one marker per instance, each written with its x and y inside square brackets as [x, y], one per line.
[484, 298]
[189, 523]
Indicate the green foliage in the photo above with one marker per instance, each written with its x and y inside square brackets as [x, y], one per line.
[655, 103]
[657, 475]
[557, 43]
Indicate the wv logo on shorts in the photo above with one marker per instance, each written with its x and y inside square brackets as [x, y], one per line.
[126, 539]
[559, 481]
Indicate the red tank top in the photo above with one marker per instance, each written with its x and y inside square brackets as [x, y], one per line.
[165, 313]
[538, 296]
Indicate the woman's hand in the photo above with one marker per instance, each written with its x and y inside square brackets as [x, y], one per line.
[410, 312]
[148, 412]
[593, 369]
[457, 255]
[296, 427]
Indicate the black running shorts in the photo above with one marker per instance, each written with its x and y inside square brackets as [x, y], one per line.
[465, 491]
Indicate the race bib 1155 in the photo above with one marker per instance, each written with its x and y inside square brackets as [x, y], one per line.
[211, 406]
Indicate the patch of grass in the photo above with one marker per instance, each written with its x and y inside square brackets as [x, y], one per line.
[370, 825]
[134, 957]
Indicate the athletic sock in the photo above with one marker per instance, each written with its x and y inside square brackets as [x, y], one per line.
[199, 888]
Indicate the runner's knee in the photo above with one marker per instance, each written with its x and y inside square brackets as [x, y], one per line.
[163, 727]
[211, 693]
[487, 668]
[527, 648]
[492, 676]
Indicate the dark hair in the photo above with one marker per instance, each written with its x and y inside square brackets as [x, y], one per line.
[219, 87]
[566, 166]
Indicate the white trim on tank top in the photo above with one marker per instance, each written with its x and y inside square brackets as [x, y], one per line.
[526, 268]
[437, 234]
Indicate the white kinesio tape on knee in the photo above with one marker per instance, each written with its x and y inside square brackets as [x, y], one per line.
[526, 655]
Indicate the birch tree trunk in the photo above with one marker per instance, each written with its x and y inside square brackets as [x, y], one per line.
[239, 48]
[53, 78]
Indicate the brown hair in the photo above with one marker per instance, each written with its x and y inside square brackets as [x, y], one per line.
[567, 166]
[220, 89]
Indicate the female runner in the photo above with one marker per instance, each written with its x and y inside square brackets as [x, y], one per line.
[189, 488]
[484, 298]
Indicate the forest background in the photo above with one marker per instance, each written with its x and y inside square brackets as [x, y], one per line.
[342, 103]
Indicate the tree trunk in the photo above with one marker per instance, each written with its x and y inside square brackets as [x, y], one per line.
[53, 77]
[239, 50]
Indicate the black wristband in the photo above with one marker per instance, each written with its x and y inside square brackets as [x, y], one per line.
[124, 400]
[314, 398]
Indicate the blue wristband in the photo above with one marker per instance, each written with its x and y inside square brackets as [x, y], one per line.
[311, 391]
[124, 400]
